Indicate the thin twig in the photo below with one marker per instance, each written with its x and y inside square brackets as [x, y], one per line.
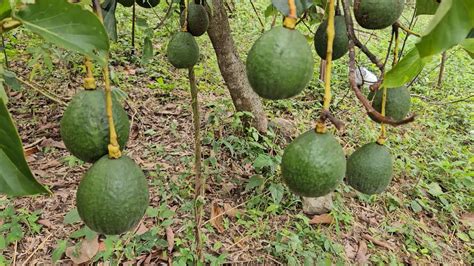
[134, 17]
[444, 58]
[47, 95]
[167, 15]
[406, 29]
[258, 16]
[412, 24]
[37, 248]
[200, 181]
[352, 79]
[4, 48]
[377, 242]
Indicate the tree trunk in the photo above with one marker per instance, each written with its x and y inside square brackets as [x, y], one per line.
[232, 68]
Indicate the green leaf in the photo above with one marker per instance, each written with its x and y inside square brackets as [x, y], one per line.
[66, 25]
[147, 50]
[463, 236]
[3, 93]
[468, 45]
[426, 7]
[59, 251]
[263, 161]
[405, 71]
[415, 206]
[110, 23]
[277, 191]
[11, 80]
[254, 181]
[450, 25]
[301, 6]
[5, 9]
[435, 190]
[16, 178]
[72, 217]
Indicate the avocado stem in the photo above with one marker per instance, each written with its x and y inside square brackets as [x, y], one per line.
[290, 20]
[89, 80]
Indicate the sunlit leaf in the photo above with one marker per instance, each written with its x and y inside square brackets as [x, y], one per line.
[66, 25]
[405, 71]
[16, 178]
[450, 25]
[5, 9]
[426, 7]
[110, 23]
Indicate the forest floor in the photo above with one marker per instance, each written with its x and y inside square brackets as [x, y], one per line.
[425, 217]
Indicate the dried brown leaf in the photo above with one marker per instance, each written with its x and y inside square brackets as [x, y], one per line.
[86, 251]
[361, 256]
[322, 219]
[216, 217]
[468, 219]
[230, 211]
[142, 229]
[170, 238]
[46, 223]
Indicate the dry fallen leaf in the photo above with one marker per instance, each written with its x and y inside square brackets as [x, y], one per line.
[468, 219]
[142, 229]
[216, 217]
[230, 211]
[322, 219]
[361, 257]
[170, 238]
[46, 223]
[85, 252]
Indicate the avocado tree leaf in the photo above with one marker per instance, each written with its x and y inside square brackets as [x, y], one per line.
[450, 25]
[11, 80]
[3, 93]
[110, 23]
[301, 6]
[16, 178]
[67, 25]
[147, 50]
[468, 45]
[426, 7]
[5, 9]
[405, 71]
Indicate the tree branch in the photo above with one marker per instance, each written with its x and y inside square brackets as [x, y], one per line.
[378, 117]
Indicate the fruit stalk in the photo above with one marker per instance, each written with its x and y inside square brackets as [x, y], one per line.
[397, 44]
[89, 80]
[321, 127]
[383, 131]
[200, 181]
[290, 20]
[114, 147]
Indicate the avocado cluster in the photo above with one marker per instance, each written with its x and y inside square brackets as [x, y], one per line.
[369, 169]
[398, 102]
[377, 14]
[313, 165]
[280, 64]
[113, 195]
[183, 50]
[341, 40]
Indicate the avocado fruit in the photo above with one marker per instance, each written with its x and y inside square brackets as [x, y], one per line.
[183, 50]
[369, 169]
[341, 40]
[398, 103]
[198, 19]
[313, 165]
[280, 64]
[377, 14]
[84, 126]
[147, 3]
[112, 196]
[126, 3]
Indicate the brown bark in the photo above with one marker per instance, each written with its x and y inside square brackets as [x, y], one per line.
[232, 68]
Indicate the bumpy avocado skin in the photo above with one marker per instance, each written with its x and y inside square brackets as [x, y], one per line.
[147, 3]
[313, 164]
[398, 102]
[112, 196]
[198, 20]
[369, 169]
[126, 3]
[280, 64]
[377, 14]
[341, 41]
[85, 128]
[183, 50]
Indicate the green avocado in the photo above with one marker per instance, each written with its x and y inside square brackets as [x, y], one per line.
[377, 14]
[112, 196]
[341, 41]
[280, 64]
[398, 102]
[198, 20]
[369, 169]
[147, 3]
[126, 3]
[183, 50]
[85, 128]
[313, 164]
